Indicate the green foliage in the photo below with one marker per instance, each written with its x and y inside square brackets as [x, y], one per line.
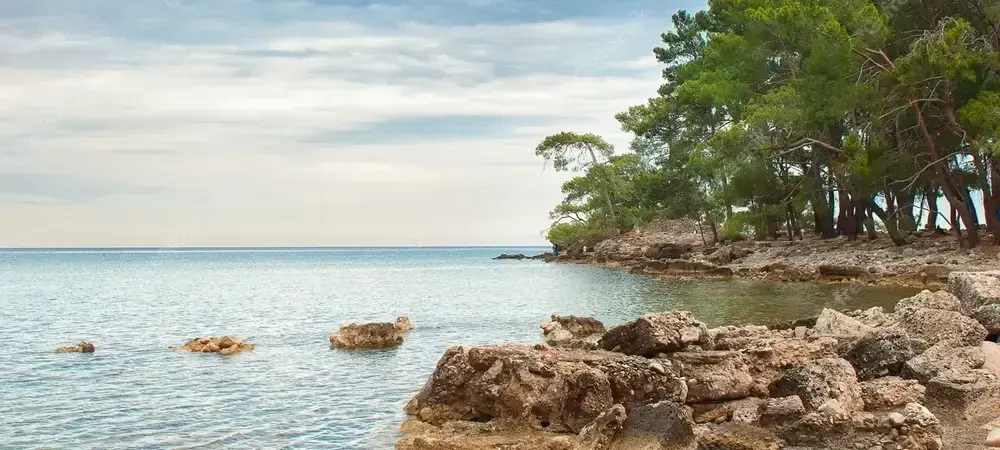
[790, 116]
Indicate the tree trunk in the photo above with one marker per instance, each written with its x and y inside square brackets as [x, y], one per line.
[821, 208]
[904, 211]
[931, 196]
[715, 229]
[702, 232]
[890, 226]
[606, 191]
[847, 224]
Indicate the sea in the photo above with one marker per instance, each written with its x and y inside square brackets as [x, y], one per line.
[293, 390]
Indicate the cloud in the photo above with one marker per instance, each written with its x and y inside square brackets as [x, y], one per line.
[303, 123]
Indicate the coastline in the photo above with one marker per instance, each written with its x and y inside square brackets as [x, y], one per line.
[925, 263]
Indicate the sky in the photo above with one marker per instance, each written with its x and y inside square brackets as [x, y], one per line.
[291, 122]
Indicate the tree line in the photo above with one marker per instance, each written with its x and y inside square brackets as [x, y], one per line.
[790, 117]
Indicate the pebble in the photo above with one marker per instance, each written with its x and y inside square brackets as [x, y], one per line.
[993, 439]
[896, 419]
[656, 367]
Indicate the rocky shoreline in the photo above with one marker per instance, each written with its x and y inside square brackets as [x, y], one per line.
[923, 376]
[926, 262]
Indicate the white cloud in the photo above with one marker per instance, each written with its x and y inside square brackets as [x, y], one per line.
[221, 143]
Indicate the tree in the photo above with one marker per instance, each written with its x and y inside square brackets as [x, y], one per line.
[573, 151]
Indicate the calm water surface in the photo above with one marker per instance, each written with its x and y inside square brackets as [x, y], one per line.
[293, 391]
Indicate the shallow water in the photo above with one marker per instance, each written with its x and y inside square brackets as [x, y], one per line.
[293, 391]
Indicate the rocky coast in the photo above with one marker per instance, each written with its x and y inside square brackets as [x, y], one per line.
[673, 250]
[925, 375]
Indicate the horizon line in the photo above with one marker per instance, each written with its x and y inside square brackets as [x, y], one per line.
[264, 247]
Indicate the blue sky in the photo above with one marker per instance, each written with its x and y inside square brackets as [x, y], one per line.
[281, 122]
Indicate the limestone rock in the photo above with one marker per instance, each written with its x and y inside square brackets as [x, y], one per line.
[558, 389]
[483, 436]
[962, 391]
[720, 375]
[975, 289]
[989, 317]
[932, 300]
[223, 345]
[891, 392]
[993, 438]
[375, 335]
[657, 333]
[840, 271]
[82, 347]
[579, 326]
[738, 436]
[517, 256]
[818, 381]
[836, 324]
[572, 331]
[663, 425]
[602, 431]
[881, 352]
[945, 357]
[935, 325]
[782, 410]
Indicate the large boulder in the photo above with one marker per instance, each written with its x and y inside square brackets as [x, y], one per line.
[660, 426]
[931, 300]
[559, 389]
[835, 324]
[572, 331]
[819, 381]
[882, 352]
[656, 333]
[375, 335]
[945, 357]
[934, 325]
[989, 317]
[891, 392]
[714, 375]
[975, 289]
[223, 345]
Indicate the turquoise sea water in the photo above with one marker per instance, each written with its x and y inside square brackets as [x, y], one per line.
[293, 391]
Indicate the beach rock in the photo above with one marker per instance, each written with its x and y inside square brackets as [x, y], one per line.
[835, 324]
[517, 256]
[559, 389]
[989, 317]
[662, 425]
[991, 357]
[720, 375]
[975, 289]
[873, 317]
[572, 331]
[934, 325]
[816, 382]
[223, 345]
[580, 326]
[403, 323]
[882, 352]
[602, 431]
[890, 392]
[376, 335]
[483, 436]
[931, 300]
[840, 271]
[82, 347]
[961, 392]
[993, 439]
[945, 357]
[656, 333]
[668, 250]
[782, 410]
[738, 436]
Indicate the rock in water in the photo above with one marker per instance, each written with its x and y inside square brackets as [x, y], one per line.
[82, 347]
[223, 345]
[403, 323]
[367, 336]
[572, 331]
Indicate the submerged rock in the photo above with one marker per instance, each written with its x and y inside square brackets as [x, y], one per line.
[82, 347]
[375, 335]
[510, 256]
[223, 345]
